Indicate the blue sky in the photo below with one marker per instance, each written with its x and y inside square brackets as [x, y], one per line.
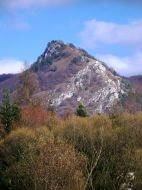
[110, 31]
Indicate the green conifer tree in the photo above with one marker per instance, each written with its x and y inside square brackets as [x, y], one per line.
[81, 111]
[8, 112]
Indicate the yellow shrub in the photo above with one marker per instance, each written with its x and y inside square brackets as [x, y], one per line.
[33, 159]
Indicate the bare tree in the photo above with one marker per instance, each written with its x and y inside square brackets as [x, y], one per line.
[27, 86]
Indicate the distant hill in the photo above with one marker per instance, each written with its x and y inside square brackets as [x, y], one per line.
[4, 77]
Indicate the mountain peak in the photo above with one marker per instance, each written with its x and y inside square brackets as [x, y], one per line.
[54, 48]
[68, 75]
[56, 42]
[55, 45]
[59, 43]
[58, 50]
[55, 51]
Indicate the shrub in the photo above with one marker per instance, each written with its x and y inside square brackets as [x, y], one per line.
[99, 152]
[85, 138]
[33, 159]
[110, 150]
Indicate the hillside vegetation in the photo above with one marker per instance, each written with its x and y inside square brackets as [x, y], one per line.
[44, 152]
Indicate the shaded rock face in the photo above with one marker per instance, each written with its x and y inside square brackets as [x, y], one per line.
[74, 76]
[55, 51]
[69, 75]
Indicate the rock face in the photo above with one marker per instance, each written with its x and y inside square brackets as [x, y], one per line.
[69, 75]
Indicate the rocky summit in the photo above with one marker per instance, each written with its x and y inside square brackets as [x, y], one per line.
[69, 75]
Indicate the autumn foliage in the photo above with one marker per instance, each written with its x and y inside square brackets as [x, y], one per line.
[33, 116]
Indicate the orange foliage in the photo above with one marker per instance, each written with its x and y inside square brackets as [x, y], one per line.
[33, 116]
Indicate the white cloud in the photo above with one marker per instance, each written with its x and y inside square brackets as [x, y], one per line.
[24, 4]
[10, 65]
[100, 32]
[126, 66]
